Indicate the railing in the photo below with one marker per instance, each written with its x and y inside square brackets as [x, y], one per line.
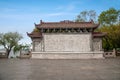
[118, 53]
[27, 55]
[109, 54]
[3, 55]
[112, 53]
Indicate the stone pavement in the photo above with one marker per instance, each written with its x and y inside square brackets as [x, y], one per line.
[36, 69]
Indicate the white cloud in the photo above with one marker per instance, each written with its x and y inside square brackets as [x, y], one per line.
[69, 7]
[55, 14]
[8, 9]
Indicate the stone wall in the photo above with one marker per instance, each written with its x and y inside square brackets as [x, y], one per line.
[97, 44]
[67, 42]
[38, 45]
[67, 46]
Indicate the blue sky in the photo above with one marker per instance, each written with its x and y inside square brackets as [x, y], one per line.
[20, 15]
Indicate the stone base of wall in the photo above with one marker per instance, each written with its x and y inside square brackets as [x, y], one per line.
[67, 55]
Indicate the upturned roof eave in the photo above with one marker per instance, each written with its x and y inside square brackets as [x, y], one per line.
[64, 24]
[31, 35]
[99, 34]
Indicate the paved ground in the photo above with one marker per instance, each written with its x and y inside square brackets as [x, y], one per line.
[28, 69]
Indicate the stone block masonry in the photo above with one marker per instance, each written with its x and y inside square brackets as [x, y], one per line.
[67, 42]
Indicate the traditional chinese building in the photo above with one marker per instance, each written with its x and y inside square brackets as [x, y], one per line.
[66, 40]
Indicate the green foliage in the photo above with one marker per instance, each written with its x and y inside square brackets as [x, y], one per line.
[20, 47]
[112, 39]
[17, 48]
[35, 30]
[86, 16]
[109, 17]
[9, 40]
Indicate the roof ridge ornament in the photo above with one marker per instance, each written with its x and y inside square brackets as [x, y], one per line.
[66, 21]
[35, 24]
[41, 21]
[91, 20]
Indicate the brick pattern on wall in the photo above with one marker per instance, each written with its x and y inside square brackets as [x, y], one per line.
[67, 42]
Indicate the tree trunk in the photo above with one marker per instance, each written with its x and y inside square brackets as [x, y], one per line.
[7, 53]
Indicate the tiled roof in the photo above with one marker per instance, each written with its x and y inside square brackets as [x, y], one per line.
[66, 24]
[99, 34]
[34, 35]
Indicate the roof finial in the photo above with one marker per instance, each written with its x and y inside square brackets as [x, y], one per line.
[41, 21]
[35, 24]
[66, 21]
[91, 20]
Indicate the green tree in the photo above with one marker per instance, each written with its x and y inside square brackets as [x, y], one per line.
[35, 30]
[112, 39]
[17, 48]
[86, 16]
[9, 40]
[109, 17]
[20, 47]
